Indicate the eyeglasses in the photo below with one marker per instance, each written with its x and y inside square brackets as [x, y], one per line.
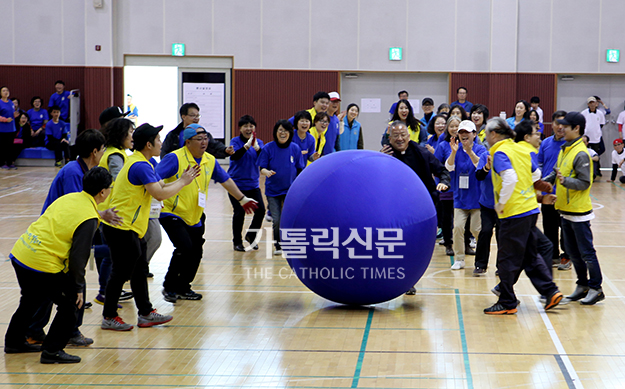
[194, 116]
[323, 122]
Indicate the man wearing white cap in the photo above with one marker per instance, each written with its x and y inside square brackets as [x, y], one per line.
[595, 119]
[336, 124]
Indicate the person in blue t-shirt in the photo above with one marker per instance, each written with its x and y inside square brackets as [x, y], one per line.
[463, 158]
[244, 172]
[7, 127]
[547, 159]
[60, 99]
[303, 138]
[57, 134]
[462, 99]
[38, 119]
[279, 161]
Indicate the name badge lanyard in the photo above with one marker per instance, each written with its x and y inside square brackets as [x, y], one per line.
[201, 197]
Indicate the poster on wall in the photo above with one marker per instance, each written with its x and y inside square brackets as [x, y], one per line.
[208, 91]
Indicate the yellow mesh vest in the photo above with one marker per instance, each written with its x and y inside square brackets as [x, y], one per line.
[575, 201]
[132, 201]
[523, 197]
[104, 162]
[185, 203]
[46, 244]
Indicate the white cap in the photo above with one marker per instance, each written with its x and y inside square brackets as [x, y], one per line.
[466, 125]
[334, 96]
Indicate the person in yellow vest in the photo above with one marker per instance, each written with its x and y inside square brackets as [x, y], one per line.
[574, 174]
[183, 217]
[404, 112]
[135, 186]
[118, 132]
[321, 121]
[49, 261]
[514, 173]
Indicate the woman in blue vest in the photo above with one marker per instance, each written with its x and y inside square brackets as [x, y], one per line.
[521, 112]
[351, 138]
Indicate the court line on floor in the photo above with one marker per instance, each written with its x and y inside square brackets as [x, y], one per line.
[568, 371]
[16, 192]
[463, 339]
[363, 348]
[618, 186]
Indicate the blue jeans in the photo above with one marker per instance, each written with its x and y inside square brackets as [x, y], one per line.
[275, 206]
[578, 245]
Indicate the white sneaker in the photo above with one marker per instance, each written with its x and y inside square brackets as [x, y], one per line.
[269, 218]
[457, 265]
[473, 243]
[277, 252]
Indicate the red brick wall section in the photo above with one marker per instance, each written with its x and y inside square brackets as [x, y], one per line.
[500, 91]
[269, 95]
[97, 85]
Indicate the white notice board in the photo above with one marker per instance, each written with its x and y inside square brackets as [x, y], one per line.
[210, 98]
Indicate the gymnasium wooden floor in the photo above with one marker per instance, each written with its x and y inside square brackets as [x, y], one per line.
[255, 329]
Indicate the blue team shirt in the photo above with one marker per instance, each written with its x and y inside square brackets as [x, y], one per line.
[7, 110]
[463, 198]
[548, 156]
[332, 134]
[306, 144]
[169, 167]
[37, 118]
[283, 161]
[61, 101]
[56, 130]
[244, 171]
[487, 195]
[68, 180]
[501, 162]
[466, 105]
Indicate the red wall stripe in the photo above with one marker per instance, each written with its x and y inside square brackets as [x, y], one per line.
[270, 95]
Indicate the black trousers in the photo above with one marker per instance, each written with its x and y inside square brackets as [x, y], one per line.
[35, 288]
[238, 217]
[600, 149]
[490, 221]
[59, 148]
[447, 209]
[189, 249]
[517, 251]
[552, 229]
[6, 146]
[129, 263]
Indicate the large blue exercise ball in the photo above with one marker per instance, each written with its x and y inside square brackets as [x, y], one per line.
[358, 227]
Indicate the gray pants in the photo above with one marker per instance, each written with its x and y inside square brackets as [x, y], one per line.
[153, 238]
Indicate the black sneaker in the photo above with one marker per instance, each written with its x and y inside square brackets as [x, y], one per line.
[412, 291]
[449, 251]
[88, 305]
[239, 247]
[150, 275]
[479, 271]
[499, 309]
[58, 357]
[22, 348]
[170, 297]
[190, 295]
[125, 296]
[469, 251]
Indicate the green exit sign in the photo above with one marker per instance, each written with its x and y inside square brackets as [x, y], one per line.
[613, 55]
[177, 49]
[394, 54]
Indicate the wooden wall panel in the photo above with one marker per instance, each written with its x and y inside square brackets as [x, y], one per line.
[270, 95]
[95, 83]
[500, 91]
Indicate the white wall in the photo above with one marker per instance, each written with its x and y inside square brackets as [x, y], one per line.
[558, 36]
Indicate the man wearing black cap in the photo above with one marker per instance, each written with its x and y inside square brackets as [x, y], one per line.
[111, 113]
[574, 174]
[132, 194]
[427, 104]
[190, 114]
